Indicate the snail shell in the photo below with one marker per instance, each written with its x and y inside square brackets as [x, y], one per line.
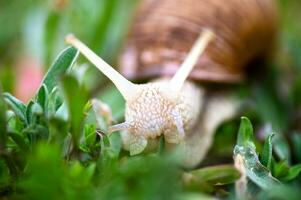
[164, 31]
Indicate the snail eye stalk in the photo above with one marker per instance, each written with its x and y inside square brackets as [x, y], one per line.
[125, 87]
[196, 51]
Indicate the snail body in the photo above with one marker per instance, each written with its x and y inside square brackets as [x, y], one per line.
[166, 44]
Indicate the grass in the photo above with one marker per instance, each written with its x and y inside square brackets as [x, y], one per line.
[56, 147]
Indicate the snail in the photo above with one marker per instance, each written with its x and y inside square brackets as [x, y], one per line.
[181, 44]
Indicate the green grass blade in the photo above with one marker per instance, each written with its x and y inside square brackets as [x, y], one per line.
[245, 133]
[266, 157]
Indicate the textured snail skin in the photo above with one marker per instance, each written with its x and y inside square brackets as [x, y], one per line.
[152, 111]
[200, 119]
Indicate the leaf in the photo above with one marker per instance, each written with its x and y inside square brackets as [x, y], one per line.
[90, 134]
[54, 102]
[58, 129]
[17, 106]
[267, 152]
[247, 160]
[116, 144]
[255, 171]
[32, 110]
[293, 172]
[19, 140]
[3, 130]
[280, 169]
[76, 101]
[106, 140]
[29, 112]
[42, 97]
[245, 133]
[215, 175]
[61, 64]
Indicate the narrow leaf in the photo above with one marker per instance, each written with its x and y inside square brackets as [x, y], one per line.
[255, 171]
[267, 152]
[62, 63]
[216, 175]
[17, 106]
[29, 112]
[54, 102]
[42, 96]
[245, 133]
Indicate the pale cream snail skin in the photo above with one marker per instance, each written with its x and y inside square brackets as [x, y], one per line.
[167, 107]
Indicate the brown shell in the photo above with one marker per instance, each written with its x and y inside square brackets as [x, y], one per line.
[164, 31]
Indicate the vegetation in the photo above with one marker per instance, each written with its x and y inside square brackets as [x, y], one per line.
[56, 146]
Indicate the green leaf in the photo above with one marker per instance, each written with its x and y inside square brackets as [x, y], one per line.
[76, 97]
[54, 102]
[246, 157]
[255, 171]
[267, 152]
[19, 140]
[215, 175]
[58, 129]
[17, 106]
[280, 169]
[115, 144]
[29, 112]
[42, 97]
[62, 63]
[245, 133]
[32, 110]
[90, 134]
[293, 172]
[3, 130]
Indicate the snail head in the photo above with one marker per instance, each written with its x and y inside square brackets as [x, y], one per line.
[152, 109]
